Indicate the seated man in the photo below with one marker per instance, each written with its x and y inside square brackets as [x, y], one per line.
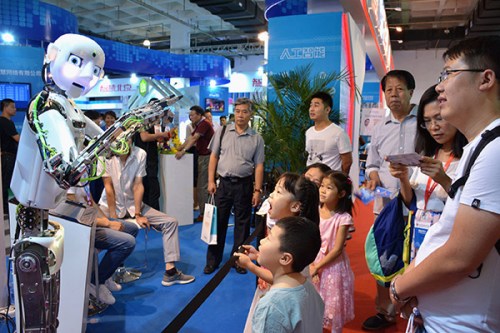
[122, 198]
[117, 237]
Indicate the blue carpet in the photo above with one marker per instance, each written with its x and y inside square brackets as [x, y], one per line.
[146, 306]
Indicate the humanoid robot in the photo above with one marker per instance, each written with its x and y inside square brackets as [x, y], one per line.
[50, 159]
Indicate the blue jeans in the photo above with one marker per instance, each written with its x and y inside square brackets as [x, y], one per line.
[119, 245]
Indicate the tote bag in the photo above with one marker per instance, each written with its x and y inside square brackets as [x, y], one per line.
[209, 227]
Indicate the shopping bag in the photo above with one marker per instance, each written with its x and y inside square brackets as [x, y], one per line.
[209, 227]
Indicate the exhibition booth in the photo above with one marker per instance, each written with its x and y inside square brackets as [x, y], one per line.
[330, 38]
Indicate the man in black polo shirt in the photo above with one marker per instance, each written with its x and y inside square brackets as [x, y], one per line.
[9, 140]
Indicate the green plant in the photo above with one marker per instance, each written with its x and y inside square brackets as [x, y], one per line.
[284, 116]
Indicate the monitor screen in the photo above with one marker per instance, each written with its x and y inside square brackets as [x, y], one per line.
[19, 92]
[214, 105]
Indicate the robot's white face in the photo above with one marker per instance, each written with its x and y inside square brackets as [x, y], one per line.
[76, 64]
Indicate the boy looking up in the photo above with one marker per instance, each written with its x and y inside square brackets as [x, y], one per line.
[292, 304]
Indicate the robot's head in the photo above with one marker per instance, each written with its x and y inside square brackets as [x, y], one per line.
[76, 64]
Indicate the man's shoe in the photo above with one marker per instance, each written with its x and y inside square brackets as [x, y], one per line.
[240, 270]
[209, 269]
[104, 296]
[112, 285]
[377, 322]
[177, 278]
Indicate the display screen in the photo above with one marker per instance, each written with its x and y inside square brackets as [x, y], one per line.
[214, 105]
[19, 92]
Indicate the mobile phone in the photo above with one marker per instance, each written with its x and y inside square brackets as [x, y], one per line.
[412, 159]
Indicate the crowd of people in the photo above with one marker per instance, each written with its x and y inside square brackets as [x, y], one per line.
[305, 281]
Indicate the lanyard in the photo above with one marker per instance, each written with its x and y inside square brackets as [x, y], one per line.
[431, 184]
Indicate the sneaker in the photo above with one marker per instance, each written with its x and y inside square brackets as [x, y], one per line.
[377, 322]
[178, 278]
[112, 285]
[105, 295]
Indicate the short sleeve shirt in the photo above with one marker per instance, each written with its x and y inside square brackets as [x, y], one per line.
[471, 304]
[206, 133]
[325, 146]
[239, 153]
[123, 176]
[7, 131]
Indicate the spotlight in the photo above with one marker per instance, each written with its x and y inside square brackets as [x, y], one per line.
[7, 37]
[146, 43]
[263, 36]
[212, 83]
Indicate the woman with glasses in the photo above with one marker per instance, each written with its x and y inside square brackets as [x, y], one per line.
[441, 145]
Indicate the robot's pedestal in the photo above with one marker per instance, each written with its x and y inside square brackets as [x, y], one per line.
[79, 234]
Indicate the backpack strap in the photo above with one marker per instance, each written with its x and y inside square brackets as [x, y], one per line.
[222, 135]
[486, 138]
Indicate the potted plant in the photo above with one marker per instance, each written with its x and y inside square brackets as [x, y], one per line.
[283, 116]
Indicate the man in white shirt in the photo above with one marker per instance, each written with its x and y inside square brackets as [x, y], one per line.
[122, 198]
[457, 269]
[326, 142]
[394, 135]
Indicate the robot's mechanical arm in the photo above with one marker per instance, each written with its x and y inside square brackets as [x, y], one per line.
[115, 139]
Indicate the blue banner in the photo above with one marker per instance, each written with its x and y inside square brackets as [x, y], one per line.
[299, 40]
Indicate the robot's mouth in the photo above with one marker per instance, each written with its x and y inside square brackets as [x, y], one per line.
[78, 85]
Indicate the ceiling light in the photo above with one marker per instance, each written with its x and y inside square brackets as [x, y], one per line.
[133, 78]
[400, 41]
[396, 9]
[7, 37]
[399, 29]
[146, 43]
[263, 36]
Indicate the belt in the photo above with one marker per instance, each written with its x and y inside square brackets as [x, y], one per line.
[236, 179]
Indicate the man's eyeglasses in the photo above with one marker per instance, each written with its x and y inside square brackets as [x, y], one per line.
[443, 76]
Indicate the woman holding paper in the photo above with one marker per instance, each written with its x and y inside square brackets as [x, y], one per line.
[441, 146]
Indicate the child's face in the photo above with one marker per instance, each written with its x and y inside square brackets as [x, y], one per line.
[269, 249]
[328, 192]
[282, 203]
[315, 175]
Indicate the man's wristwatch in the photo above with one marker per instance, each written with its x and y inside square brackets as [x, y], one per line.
[138, 215]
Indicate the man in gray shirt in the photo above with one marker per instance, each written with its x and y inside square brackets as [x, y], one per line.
[237, 154]
[394, 135]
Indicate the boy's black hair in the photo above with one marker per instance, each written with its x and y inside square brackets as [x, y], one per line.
[401, 75]
[301, 238]
[305, 192]
[325, 97]
[92, 114]
[5, 102]
[424, 142]
[482, 52]
[222, 117]
[342, 183]
[198, 109]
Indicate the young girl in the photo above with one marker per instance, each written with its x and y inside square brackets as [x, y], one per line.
[293, 195]
[331, 271]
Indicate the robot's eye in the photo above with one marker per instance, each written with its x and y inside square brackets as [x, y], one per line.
[75, 60]
[97, 70]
